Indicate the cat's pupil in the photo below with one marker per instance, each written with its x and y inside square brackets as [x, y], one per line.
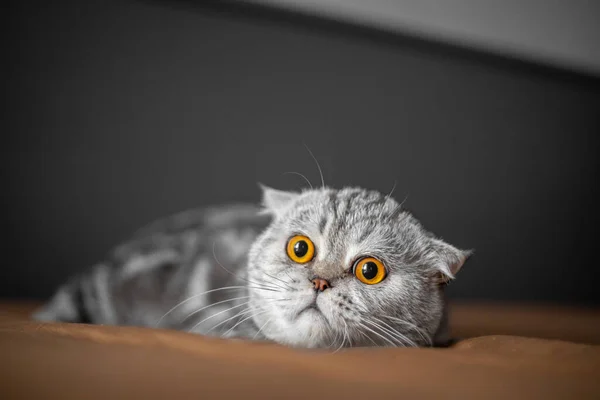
[301, 248]
[369, 270]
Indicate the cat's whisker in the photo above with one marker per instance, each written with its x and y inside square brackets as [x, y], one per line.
[335, 338]
[212, 305]
[233, 274]
[411, 325]
[420, 331]
[288, 274]
[289, 277]
[391, 191]
[278, 279]
[341, 344]
[347, 333]
[386, 198]
[318, 166]
[363, 325]
[332, 344]
[248, 310]
[240, 314]
[368, 337]
[405, 338]
[279, 287]
[261, 328]
[299, 174]
[195, 296]
[219, 313]
[229, 309]
[344, 336]
[398, 210]
[403, 201]
[392, 334]
[362, 334]
[243, 320]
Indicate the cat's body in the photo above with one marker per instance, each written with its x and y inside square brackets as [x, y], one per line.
[231, 272]
[162, 265]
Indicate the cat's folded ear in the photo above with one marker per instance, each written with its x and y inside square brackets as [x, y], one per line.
[276, 202]
[447, 260]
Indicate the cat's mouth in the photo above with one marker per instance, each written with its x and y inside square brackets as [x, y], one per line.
[312, 307]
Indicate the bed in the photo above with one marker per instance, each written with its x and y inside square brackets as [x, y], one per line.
[502, 351]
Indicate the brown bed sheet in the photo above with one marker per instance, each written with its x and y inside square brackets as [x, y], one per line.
[507, 352]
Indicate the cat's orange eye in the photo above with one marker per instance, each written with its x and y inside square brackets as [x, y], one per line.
[369, 270]
[300, 249]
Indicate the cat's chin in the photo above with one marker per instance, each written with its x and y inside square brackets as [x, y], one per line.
[312, 329]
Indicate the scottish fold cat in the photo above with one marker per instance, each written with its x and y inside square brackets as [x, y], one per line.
[320, 268]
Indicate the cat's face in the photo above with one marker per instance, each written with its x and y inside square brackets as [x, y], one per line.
[347, 268]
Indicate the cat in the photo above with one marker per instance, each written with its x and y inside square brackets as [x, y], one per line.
[318, 268]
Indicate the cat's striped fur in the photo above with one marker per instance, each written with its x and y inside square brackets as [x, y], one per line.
[224, 271]
[168, 262]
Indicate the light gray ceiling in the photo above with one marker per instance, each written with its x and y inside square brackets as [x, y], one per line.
[560, 33]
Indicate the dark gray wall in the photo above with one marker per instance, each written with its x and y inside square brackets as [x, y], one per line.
[119, 112]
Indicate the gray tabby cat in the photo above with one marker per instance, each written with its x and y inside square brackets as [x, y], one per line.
[323, 268]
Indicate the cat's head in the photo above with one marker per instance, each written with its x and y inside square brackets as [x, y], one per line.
[346, 268]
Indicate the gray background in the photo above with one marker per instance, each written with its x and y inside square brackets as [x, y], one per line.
[120, 112]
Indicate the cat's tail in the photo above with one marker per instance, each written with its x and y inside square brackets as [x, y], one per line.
[66, 305]
[82, 300]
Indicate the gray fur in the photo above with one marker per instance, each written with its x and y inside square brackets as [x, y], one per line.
[225, 272]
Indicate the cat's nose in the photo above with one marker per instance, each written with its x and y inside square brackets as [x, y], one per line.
[320, 284]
